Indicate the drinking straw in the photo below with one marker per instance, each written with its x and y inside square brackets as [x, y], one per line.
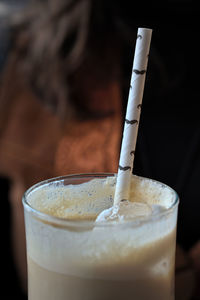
[132, 115]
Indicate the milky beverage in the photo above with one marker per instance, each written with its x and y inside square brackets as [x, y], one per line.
[77, 252]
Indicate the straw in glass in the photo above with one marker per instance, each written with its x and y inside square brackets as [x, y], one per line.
[132, 115]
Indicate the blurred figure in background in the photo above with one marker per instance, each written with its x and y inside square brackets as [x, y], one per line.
[61, 101]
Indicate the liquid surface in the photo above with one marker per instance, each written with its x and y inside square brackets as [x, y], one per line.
[88, 200]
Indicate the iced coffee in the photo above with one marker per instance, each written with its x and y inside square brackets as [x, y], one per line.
[81, 248]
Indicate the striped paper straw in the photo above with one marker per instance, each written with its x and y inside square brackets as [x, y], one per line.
[132, 115]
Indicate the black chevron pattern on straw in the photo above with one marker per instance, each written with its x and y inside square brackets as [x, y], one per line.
[131, 121]
[126, 168]
[139, 72]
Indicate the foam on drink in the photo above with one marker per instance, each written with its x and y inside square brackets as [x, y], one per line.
[88, 200]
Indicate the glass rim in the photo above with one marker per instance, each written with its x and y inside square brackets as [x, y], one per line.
[67, 223]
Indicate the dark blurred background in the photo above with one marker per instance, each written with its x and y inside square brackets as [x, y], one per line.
[11, 284]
